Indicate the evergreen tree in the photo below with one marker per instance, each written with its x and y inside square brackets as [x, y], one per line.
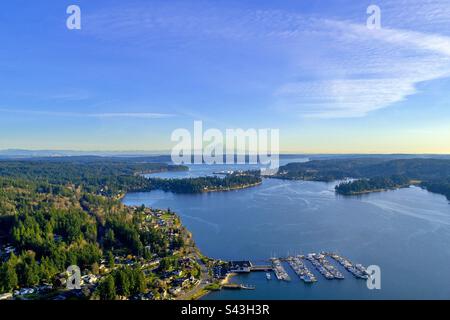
[109, 239]
[8, 277]
[122, 281]
[31, 273]
[111, 261]
[107, 289]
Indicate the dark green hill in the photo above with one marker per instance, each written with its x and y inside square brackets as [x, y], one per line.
[374, 174]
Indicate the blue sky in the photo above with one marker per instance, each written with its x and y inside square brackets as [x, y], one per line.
[137, 70]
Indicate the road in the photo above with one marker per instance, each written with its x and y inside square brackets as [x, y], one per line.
[204, 281]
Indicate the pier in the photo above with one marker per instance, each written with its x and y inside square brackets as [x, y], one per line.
[316, 263]
[278, 268]
[301, 270]
[235, 286]
[261, 268]
[357, 270]
[327, 265]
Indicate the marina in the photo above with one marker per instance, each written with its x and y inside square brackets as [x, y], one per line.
[322, 259]
[298, 265]
[357, 270]
[311, 257]
[301, 270]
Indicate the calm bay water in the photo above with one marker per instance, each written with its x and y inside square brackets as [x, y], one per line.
[406, 232]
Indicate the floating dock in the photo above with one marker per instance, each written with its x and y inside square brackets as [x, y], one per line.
[321, 257]
[278, 268]
[301, 270]
[357, 270]
[235, 286]
[311, 257]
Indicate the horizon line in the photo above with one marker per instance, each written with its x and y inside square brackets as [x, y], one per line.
[168, 153]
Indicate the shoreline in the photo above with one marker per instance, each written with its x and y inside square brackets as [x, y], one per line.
[205, 292]
[233, 188]
[363, 192]
[228, 278]
[225, 281]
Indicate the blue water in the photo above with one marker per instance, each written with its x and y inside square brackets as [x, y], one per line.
[406, 232]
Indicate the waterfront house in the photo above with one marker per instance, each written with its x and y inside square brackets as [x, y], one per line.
[240, 266]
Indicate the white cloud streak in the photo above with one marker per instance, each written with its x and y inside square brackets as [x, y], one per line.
[383, 67]
[358, 70]
[104, 115]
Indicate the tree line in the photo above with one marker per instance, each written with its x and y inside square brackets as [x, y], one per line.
[373, 173]
[204, 184]
[373, 184]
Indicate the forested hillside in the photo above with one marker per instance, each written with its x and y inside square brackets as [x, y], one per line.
[373, 174]
[108, 176]
[55, 214]
[52, 227]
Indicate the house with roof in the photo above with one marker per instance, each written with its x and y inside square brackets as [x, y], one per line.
[240, 266]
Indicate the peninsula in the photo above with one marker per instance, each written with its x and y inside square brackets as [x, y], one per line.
[56, 213]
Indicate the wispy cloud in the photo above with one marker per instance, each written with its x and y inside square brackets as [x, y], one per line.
[381, 68]
[146, 115]
[104, 115]
[63, 96]
[346, 70]
[342, 97]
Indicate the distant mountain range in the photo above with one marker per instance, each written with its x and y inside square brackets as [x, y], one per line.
[24, 153]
